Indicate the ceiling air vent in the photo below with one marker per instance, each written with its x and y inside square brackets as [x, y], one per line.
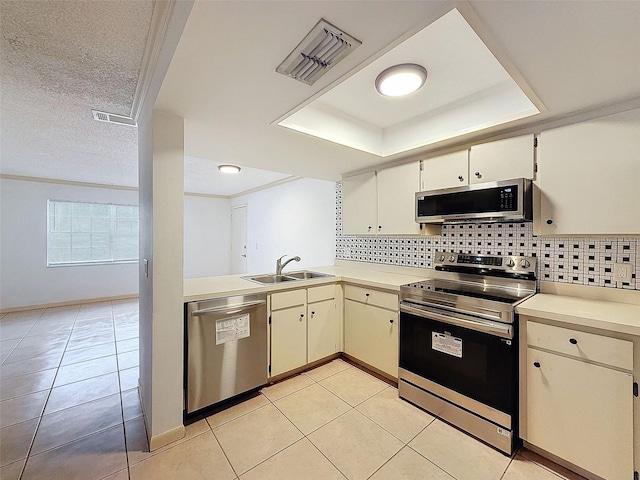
[113, 118]
[323, 47]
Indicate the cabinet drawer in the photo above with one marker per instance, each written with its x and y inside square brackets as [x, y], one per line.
[317, 294]
[288, 299]
[587, 346]
[372, 297]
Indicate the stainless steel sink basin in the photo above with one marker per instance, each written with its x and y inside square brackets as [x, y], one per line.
[289, 277]
[269, 279]
[306, 274]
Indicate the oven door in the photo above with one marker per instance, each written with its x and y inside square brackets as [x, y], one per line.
[473, 357]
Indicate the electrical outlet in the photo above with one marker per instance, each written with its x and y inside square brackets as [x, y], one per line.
[622, 272]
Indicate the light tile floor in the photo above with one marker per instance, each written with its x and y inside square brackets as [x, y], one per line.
[69, 409]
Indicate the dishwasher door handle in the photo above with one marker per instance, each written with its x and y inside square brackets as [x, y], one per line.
[227, 309]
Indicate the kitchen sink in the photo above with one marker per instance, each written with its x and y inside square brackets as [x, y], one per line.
[289, 277]
[268, 279]
[306, 274]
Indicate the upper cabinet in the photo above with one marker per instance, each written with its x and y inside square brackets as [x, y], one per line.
[359, 204]
[445, 171]
[381, 202]
[488, 162]
[397, 187]
[502, 160]
[588, 176]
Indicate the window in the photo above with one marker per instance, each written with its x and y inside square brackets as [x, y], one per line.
[91, 233]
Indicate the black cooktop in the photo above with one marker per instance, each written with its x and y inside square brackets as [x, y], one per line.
[496, 293]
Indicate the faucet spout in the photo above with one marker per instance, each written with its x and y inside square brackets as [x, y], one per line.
[280, 265]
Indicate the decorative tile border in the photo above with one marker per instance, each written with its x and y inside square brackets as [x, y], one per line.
[577, 260]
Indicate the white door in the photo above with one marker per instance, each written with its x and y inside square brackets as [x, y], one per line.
[239, 239]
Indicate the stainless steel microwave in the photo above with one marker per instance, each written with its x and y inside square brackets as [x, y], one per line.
[504, 201]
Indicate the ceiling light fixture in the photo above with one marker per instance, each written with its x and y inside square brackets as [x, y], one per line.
[229, 168]
[401, 80]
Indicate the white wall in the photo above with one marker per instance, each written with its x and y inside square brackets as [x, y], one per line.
[25, 279]
[207, 236]
[295, 218]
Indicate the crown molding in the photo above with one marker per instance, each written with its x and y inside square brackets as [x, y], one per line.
[160, 18]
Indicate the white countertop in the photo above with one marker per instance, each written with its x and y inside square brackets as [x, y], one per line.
[612, 316]
[222, 286]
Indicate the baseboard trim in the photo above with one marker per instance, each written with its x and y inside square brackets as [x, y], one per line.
[165, 438]
[68, 302]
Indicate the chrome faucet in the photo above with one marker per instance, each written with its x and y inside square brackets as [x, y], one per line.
[280, 265]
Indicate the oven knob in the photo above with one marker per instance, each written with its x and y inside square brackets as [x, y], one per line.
[452, 258]
[525, 263]
[510, 263]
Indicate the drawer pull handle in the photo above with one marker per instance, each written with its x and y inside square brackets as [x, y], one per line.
[573, 341]
[536, 364]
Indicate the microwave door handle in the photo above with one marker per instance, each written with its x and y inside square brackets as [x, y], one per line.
[227, 309]
[495, 329]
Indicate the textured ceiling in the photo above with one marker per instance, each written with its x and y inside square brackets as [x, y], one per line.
[59, 60]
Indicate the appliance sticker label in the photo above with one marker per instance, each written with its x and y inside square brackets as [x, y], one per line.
[231, 329]
[444, 343]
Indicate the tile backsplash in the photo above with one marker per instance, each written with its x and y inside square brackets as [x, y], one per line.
[577, 260]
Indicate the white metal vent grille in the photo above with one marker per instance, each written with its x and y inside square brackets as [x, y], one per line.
[323, 47]
[113, 118]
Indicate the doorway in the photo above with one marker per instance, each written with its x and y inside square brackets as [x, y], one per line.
[239, 239]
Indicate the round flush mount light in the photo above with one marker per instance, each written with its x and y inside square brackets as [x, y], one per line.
[401, 80]
[229, 168]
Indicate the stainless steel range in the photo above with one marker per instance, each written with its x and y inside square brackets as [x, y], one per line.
[459, 343]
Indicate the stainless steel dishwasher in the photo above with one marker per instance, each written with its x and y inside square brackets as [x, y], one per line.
[226, 348]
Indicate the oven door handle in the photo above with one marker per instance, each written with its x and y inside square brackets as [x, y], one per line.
[492, 328]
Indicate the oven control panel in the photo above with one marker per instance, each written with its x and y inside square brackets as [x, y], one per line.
[505, 263]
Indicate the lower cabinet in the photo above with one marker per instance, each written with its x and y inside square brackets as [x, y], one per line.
[304, 327]
[577, 410]
[322, 330]
[288, 339]
[371, 331]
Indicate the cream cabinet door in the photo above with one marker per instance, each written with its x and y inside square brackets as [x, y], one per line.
[355, 329]
[397, 187]
[288, 339]
[588, 177]
[445, 171]
[322, 327]
[502, 160]
[359, 204]
[581, 412]
[371, 335]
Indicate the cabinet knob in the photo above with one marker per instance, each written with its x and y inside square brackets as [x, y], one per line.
[369, 228]
[573, 341]
[313, 313]
[366, 294]
[461, 178]
[391, 320]
[478, 174]
[379, 227]
[549, 222]
[536, 364]
[302, 315]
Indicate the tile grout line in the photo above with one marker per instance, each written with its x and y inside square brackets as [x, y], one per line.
[33, 438]
[124, 427]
